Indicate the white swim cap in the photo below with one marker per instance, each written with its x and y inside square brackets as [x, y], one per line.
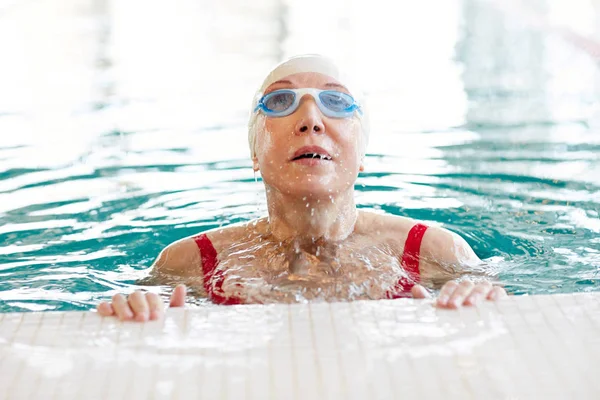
[300, 64]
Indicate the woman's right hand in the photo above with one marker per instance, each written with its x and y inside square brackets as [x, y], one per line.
[139, 306]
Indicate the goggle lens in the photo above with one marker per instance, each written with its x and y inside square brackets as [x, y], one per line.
[279, 101]
[285, 101]
[336, 101]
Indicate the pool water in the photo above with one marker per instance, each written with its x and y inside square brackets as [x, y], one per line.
[115, 141]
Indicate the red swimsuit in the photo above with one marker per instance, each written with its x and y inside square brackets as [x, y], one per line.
[410, 262]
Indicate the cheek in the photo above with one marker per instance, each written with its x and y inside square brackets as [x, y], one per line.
[264, 139]
[272, 140]
[351, 136]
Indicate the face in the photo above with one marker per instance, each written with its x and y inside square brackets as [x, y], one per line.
[307, 131]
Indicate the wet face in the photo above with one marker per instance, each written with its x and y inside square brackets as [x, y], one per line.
[285, 147]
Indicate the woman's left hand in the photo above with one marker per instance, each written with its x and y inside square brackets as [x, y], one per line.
[465, 293]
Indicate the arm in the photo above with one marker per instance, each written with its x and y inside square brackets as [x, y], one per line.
[179, 262]
[446, 257]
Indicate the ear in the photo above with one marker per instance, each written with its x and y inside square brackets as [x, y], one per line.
[362, 167]
[255, 166]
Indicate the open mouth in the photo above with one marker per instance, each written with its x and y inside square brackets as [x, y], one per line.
[312, 155]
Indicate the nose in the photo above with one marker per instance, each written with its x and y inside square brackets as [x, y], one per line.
[310, 120]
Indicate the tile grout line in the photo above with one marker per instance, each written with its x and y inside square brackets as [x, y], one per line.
[176, 392]
[362, 351]
[21, 364]
[113, 361]
[60, 322]
[10, 342]
[293, 354]
[153, 371]
[456, 361]
[270, 366]
[343, 379]
[517, 345]
[80, 388]
[318, 366]
[135, 352]
[385, 360]
[248, 380]
[559, 340]
[202, 366]
[479, 358]
[224, 374]
[420, 394]
[556, 373]
[571, 323]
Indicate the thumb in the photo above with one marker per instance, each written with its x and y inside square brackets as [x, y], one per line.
[178, 296]
[419, 292]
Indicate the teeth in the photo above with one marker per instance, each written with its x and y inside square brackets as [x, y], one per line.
[314, 155]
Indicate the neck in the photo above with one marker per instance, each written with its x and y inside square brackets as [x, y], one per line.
[331, 218]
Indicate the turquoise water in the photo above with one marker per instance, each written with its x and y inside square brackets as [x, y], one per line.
[116, 141]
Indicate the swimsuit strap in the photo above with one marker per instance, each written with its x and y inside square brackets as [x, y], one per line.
[412, 250]
[208, 255]
[410, 262]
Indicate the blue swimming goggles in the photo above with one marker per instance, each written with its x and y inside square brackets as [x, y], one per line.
[332, 103]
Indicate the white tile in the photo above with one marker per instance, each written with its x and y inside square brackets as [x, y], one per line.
[523, 347]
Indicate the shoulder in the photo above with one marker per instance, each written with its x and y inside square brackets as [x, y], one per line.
[183, 257]
[442, 246]
[438, 244]
[179, 258]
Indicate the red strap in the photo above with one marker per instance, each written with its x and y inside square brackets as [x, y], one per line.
[410, 262]
[412, 250]
[209, 265]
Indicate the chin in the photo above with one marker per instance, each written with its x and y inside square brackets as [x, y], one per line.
[314, 190]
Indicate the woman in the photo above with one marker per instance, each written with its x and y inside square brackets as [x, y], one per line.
[307, 134]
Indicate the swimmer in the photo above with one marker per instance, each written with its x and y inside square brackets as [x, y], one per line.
[307, 134]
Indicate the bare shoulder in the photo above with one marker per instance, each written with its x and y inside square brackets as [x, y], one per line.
[442, 246]
[392, 227]
[179, 258]
[183, 257]
[439, 244]
[224, 236]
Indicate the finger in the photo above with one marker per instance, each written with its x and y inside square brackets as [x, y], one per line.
[497, 293]
[458, 296]
[446, 292]
[139, 305]
[178, 296]
[479, 292]
[155, 304]
[121, 307]
[105, 309]
[419, 292]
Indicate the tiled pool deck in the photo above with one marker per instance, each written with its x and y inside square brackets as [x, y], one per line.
[524, 347]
